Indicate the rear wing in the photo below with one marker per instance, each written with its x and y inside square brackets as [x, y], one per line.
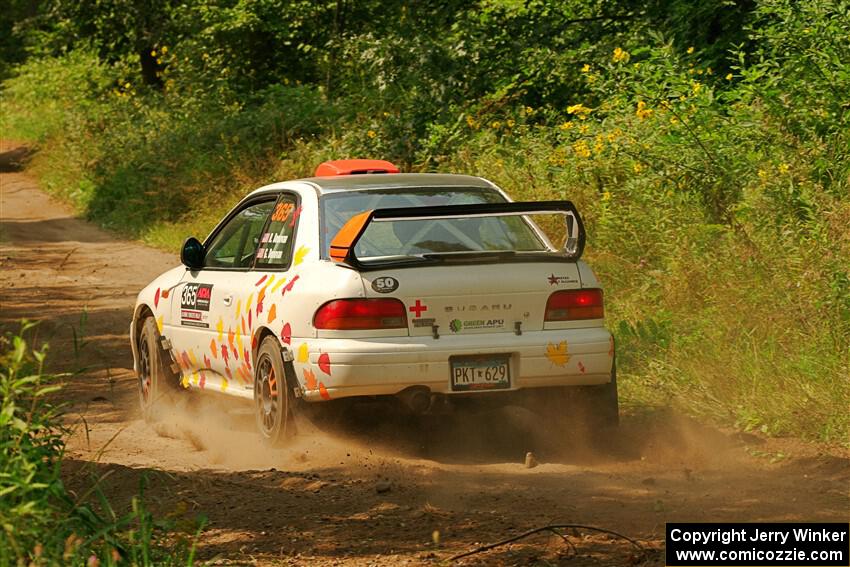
[343, 244]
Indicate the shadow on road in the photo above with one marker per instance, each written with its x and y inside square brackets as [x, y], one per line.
[15, 159]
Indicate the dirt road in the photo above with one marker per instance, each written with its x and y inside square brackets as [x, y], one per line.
[378, 493]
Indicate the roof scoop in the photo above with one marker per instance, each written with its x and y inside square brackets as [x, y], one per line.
[354, 167]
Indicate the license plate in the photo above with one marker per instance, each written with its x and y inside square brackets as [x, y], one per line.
[480, 372]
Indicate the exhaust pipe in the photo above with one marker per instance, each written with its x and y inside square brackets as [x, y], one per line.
[417, 399]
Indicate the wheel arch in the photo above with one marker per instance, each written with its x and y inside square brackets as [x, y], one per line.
[142, 312]
[260, 334]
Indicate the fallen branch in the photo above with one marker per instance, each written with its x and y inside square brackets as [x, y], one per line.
[548, 528]
[68, 255]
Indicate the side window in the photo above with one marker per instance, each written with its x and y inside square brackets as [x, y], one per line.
[276, 243]
[236, 242]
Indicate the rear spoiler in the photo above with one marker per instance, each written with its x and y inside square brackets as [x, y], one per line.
[343, 244]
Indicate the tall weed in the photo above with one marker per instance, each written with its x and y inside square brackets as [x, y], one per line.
[41, 522]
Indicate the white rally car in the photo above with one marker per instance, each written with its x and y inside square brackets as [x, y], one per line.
[428, 289]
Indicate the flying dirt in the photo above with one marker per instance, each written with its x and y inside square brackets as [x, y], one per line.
[377, 488]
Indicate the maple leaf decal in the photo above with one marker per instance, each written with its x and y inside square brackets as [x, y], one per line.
[557, 353]
[299, 254]
[288, 287]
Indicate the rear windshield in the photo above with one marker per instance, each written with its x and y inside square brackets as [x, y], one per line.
[415, 237]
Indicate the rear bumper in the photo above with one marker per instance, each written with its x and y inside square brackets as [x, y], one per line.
[386, 366]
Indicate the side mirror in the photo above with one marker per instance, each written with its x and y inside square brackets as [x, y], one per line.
[192, 254]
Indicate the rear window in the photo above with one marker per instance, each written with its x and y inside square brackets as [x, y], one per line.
[415, 237]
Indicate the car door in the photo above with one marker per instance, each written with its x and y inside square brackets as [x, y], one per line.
[274, 267]
[211, 314]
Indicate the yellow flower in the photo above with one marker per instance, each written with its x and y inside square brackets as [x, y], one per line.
[690, 50]
[585, 68]
[674, 120]
[581, 150]
[762, 174]
[642, 111]
[620, 55]
[558, 157]
[371, 133]
[696, 86]
[783, 168]
[471, 122]
[153, 53]
[164, 49]
[529, 110]
[511, 123]
[495, 124]
[637, 167]
[579, 109]
[583, 128]
[606, 196]
[729, 77]
[598, 146]
[709, 71]
[158, 61]
[566, 125]
[126, 85]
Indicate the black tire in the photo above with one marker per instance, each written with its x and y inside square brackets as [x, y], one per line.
[589, 410]
[271, 395]
[600, 405]
[157, 384]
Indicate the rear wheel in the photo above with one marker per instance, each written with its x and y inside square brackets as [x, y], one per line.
[271, 394]
[581, 413]
[156, 382]
[599, 405]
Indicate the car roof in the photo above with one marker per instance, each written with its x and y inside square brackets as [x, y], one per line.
[366, 181]
[389, 181]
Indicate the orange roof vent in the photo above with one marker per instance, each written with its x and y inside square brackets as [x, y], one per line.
[354, 167]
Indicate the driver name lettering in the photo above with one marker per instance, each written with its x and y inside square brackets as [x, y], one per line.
[274, 238]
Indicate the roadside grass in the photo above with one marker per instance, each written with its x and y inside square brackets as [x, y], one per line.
[41, 522]
[716, 223]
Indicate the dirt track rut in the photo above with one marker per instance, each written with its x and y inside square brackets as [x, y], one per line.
[376, 493]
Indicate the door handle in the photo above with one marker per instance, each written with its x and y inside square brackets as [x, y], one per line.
[228, 299]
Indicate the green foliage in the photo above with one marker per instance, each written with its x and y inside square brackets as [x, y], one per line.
[31, 448]
[706, 146]
[41, 523]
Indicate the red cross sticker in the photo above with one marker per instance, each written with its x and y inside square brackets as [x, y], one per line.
[418, 308]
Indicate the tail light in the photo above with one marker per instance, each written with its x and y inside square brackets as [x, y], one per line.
[358, 314]
[573, 305]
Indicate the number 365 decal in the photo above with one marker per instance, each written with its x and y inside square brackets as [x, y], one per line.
[385, 284]
[196, 296]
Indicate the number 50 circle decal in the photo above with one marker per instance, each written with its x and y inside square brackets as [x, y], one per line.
[385, 284]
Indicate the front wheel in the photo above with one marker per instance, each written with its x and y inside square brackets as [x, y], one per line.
[157, 383]
[271, 394]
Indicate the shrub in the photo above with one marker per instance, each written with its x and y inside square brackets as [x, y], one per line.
[41, 523]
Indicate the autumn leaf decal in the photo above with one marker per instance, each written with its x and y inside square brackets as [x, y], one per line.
[557, 353]
[299, 254]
